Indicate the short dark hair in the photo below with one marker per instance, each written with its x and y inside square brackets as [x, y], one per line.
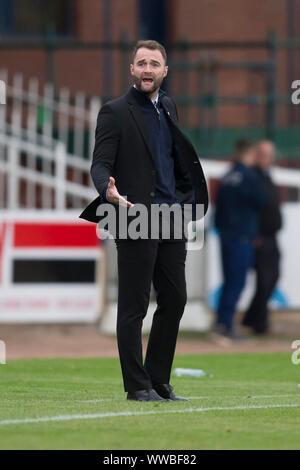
[242, 146]
[149, 44]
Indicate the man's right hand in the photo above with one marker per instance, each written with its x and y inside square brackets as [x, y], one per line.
[113, 196]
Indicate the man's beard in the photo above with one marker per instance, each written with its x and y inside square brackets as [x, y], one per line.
[155, 85]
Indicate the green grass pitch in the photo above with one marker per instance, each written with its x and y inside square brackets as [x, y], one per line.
[251, 402]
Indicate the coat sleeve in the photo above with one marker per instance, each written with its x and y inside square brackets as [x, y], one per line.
[107, 137]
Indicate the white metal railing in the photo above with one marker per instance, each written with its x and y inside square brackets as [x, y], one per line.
[31, 112]
[55, 180]
[60, 162]
[38, 171]
[37, 121]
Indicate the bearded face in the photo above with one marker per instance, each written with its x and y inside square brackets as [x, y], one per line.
[148, 70]
[147, 84]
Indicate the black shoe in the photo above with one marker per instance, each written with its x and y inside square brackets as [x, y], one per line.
[246, 322]
[257, 330]
[145, 395]
[262, 331]
[166, 391]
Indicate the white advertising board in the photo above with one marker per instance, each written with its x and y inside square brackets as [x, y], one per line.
[47, 267]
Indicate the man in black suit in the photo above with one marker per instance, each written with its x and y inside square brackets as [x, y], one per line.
[141, 153]
[267, 255]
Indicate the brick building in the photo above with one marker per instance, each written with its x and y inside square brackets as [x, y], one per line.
[224, 88]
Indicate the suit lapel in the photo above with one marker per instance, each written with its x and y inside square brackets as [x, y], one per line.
[169, 109]
[139, 120]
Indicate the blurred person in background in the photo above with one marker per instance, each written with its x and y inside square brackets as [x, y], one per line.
[267, 253]
[240, 199]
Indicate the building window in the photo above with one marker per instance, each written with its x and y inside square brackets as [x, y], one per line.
[35, 17]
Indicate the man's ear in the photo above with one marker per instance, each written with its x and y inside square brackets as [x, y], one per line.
[131, 69]
[166, 71]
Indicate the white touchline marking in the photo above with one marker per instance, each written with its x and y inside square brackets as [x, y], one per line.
[275, 396]
[99, 400]
[295, 395]
[199, 398]
[142, 413]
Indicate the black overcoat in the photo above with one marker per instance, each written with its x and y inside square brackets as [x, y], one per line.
[122, 150]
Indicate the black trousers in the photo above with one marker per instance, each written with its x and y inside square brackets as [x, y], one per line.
[267, 258]
[139, 263]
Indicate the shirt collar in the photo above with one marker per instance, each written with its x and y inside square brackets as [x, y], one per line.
[154, 101]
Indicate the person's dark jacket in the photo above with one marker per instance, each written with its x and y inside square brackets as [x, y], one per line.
[240, 198]
[270, 219]
[122, 150]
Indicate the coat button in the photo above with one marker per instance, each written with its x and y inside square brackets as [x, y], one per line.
[152, 194]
